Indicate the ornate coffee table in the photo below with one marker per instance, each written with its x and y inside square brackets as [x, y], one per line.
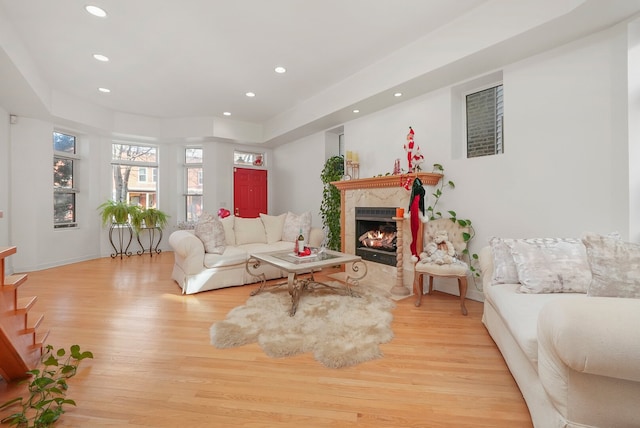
[296, 266]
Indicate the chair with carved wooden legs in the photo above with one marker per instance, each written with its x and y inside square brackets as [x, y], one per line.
[458, 269]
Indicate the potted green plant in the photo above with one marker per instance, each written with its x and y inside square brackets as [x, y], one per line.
[117, 212]
[118, 215]
[330, 207]
[149, 217]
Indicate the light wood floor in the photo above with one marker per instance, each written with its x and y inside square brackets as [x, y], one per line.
[154, 366]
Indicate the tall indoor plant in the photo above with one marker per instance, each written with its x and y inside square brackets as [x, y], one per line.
[330, 208]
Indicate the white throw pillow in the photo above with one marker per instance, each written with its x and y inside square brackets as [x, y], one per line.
[273, 226]
[211, 232]
[249, 231]
[229, 233]
[504, 268]
[615, 266]
[293, 223]
[558, 267]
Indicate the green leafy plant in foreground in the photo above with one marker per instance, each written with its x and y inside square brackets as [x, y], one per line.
[47, 389]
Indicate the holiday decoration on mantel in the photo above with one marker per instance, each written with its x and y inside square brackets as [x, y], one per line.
[414, 156]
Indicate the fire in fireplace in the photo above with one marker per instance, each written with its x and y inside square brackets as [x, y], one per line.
[376, 234]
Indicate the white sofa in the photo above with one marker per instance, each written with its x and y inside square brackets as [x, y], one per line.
[201, 266]
[574, 355]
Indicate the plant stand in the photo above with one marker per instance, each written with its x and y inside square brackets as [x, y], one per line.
[151, 232]
[121, 233]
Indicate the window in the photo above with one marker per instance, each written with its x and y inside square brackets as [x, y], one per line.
[131, 165]
[248, 158]
[64, 188]
[484, 122]
[193, 196]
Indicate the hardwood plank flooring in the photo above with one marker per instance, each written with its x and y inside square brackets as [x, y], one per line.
[154, 366]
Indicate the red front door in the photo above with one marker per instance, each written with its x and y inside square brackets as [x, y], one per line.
[249, 192]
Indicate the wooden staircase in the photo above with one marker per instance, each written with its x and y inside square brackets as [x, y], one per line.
[20, 345]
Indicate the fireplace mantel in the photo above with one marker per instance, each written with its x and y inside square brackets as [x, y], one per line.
[387, 191]
[427, 178]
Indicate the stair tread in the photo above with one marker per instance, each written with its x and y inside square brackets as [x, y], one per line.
[32, 328]
[40, 341]
[15, 280]
[25, 304]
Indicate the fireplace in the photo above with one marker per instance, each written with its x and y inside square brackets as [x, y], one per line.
[376, 234]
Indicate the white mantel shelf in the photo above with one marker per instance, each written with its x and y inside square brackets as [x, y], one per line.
[427, 178]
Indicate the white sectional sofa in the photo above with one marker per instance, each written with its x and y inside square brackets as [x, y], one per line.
[568, 326]
[214, 254]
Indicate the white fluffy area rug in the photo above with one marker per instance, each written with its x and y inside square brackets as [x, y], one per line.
[339, 330]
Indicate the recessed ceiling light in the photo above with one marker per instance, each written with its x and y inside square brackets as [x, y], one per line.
[105, 90]
[280, 70]
[356, 111]
[397, 94]
[96, 11]
[250, 94]
[226, 113]
[101, 57]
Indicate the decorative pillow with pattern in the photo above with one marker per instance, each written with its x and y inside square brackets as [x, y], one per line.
[559, 267]
[504, 267]
[293, 223]
[615, 266]
[211, 232]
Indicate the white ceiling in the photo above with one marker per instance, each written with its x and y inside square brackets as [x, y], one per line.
[197, 58]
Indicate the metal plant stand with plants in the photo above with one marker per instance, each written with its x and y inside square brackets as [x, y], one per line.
[118, 215]
[151, 220]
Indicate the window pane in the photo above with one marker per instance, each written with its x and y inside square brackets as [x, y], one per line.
[64, 143]
[484, 122]
[194, 180]
[194, 207]
[64, 208]
[193, 155]
[62, 172]
[128, 185]
[133, 153]
[247, 158]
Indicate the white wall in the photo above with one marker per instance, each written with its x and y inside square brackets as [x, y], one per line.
[296, 177]
[564, 170]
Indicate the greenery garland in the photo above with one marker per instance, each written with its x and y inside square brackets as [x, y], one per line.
[330, 208]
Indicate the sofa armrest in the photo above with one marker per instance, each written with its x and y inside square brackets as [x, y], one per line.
[594, 335]
[188, 251]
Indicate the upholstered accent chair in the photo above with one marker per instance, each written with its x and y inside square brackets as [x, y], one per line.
[457, 269]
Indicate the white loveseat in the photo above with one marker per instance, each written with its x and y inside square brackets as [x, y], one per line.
[204, 263]
[575, 354]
